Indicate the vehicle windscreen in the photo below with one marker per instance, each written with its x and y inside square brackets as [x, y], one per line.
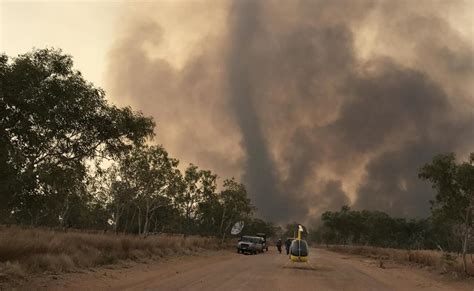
[262, 235]
[299, 248]
[249, 239]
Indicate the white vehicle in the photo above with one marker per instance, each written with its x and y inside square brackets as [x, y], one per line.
[250, 245]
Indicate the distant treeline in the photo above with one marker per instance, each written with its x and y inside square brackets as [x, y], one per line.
[376, 228]
[449, 228]
[71, 159]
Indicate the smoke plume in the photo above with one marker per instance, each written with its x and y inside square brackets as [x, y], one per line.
[313, 104]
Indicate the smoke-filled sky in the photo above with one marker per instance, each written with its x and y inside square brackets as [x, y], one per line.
[312, 104]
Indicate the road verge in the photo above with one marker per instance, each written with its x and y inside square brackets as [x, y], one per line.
[24, 252]
[444, 263]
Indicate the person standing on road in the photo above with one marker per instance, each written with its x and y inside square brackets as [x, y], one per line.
[287, 245]
[278, 244]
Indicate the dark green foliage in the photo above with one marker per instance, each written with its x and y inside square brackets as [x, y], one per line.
[236, 206]
[375, 228]
[147, 193]
[52, 122]
[454, 201]
[449, 227]
[256, 225]
[56, 131]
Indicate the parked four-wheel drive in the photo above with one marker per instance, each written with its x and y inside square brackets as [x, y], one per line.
[250, 245]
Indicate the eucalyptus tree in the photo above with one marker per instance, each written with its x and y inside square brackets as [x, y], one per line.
[146, 177]
[235, 203]
[196, 186]
[52, 122]
[454, 200]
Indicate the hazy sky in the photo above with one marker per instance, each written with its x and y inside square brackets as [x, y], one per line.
[84, 29]
[321, 103]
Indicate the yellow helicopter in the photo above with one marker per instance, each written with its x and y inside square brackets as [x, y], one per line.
[299, 248]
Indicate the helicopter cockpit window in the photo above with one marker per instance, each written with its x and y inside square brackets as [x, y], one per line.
[299, 248]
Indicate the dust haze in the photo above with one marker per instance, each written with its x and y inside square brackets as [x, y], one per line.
[312, 104]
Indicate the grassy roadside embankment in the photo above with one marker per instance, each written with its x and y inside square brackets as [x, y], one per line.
[31, 251]
[445, 263]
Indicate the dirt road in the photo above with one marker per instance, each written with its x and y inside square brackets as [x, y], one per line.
[269, 271]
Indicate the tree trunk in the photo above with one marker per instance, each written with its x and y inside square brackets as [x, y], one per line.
[147, 219]
[465, 243]
[222, 219]
[464, 249]
[139, 221]
[145, 226]
[127, 224]
[223, 238]
[155, 227]
[64, 213]
[225, 232]
[467, 232]
[117, 218]
[187, 223]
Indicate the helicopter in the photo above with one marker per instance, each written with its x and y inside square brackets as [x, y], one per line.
[299, 250]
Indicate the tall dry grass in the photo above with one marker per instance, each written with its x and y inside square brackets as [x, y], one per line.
[443, 262]
[26, 251]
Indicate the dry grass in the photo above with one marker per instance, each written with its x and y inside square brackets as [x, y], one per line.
[26, 251]
[444, 262]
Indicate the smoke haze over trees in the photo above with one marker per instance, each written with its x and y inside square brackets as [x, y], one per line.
[69, 158]
[352, 117]
[449, 228]
[314, 104]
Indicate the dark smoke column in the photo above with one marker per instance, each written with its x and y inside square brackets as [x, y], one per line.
[260, 171]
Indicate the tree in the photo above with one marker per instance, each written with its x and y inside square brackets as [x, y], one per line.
[208, 214]
[144, 177]
[52, 122]
[69, 158]
[454, 185]
[339, 222]
[255, 225]
[374, 228]
[117, 194]
[235, 205]
[196, 186]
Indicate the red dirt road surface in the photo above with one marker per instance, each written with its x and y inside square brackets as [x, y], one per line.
[269, 271]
